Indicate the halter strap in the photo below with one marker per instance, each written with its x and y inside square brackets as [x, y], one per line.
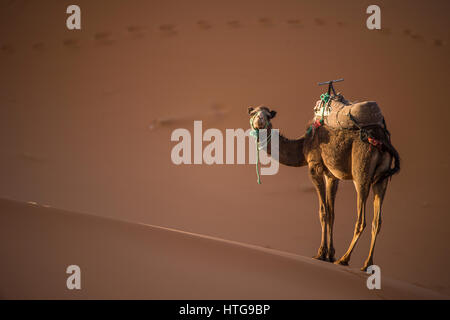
[255, 133]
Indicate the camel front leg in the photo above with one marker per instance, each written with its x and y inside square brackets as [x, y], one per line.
[362, 191]
[319, 183]
[379, 190]
[322, 252]
[331, 190]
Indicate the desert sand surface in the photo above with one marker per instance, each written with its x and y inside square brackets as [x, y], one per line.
[121, 260]
[86, 118]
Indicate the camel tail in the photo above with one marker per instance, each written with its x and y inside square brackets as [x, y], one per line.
[389, 173]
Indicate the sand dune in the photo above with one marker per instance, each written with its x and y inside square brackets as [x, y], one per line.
[124, 260]
[86, 119]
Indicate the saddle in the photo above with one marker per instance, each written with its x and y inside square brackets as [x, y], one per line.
[340, 113]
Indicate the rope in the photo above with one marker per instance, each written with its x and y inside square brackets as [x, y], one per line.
[324, 99]
[365, 134]
[255, 133]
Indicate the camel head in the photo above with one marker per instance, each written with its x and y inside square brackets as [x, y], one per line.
[260, 117]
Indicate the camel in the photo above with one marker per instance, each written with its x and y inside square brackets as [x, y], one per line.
[332, 155]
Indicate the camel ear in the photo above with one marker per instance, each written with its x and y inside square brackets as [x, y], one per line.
[273, 113]
[250, 110]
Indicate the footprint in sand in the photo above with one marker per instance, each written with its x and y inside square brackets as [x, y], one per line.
[407, 32]
[166, 122]
[438, 42]
[218, 110]
[319, 22]
[32, 157]
[136, 31]
[205, 25]
[6, 48]
[385, 31]
[38, 46]
[215, 112]
[234, 24]
[265, 22]
[413, 35]
[417, 37]
[71, 43]
[103, 38]
[307, 189]
[168, 30]
[297, 23]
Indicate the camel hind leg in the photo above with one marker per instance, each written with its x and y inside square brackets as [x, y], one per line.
[379, 190]
[363, 191]
[365, 161]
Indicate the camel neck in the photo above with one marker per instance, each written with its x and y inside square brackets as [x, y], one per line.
[291, 151]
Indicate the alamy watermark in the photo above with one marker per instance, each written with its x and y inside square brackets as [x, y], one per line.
[73, 21]
[215, 152]
[74, 280]
[374, 20]
[374, 280]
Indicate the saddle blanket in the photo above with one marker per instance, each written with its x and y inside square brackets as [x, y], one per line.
[336, 113]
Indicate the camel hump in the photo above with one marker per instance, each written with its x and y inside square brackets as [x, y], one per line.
[367, 106]
[337, 113]
[366, 113]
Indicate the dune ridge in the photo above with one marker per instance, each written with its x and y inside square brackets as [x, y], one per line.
[86, 120]
[125, 260]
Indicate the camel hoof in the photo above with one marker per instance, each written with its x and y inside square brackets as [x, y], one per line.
[320, 257]
[341, 263]
[324, 258]
[366, 265]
